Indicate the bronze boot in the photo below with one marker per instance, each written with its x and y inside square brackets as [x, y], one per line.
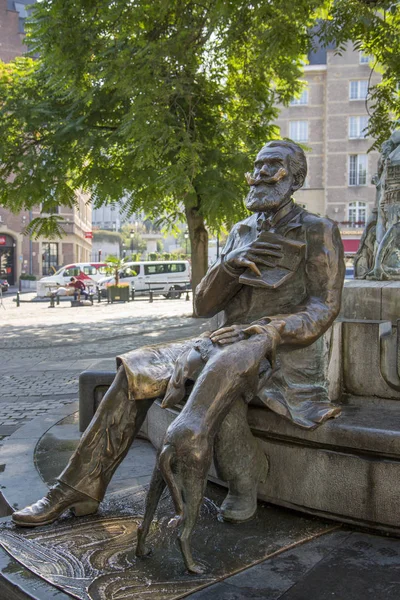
[58, 499]
[241, 502]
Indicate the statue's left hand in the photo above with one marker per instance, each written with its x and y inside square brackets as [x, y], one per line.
[228, 335]
[235, 333]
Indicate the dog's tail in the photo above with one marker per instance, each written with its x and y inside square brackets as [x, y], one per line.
[165, 460]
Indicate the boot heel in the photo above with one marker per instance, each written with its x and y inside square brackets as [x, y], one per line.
[80, 509]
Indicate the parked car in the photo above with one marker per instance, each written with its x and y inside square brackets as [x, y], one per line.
[89, 273]
[166, 277]
[4, 285]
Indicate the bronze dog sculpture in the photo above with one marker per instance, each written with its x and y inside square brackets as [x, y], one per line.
[186, 454]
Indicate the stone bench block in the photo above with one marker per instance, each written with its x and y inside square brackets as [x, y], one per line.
[347, 470]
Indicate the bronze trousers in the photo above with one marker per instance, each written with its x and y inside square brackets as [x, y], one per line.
[116, 424]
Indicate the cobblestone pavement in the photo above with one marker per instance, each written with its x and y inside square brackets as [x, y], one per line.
[43, 350]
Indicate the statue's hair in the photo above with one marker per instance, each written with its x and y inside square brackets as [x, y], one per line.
[297, 159]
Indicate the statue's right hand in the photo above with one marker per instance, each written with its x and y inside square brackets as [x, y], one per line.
[251, 255]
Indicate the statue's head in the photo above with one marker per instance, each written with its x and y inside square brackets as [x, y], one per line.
[279, 170]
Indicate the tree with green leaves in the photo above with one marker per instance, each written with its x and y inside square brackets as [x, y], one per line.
[114, 266]
[166, 103]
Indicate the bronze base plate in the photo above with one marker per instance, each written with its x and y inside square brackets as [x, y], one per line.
[93, 558]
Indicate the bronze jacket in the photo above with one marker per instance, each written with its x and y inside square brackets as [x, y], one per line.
[308, 301]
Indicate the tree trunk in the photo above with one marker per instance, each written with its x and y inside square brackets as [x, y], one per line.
[199, 241]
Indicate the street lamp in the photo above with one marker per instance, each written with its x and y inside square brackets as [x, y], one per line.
[132, 235]
[186, 236]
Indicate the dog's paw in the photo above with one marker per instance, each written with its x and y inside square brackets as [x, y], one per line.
[196, 568]
[174, 522]
[142, 551]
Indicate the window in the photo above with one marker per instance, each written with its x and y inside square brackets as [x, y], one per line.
[131, 271]
[90, 270]
[365, 59]
[358, 127]
[358, 169]
[175, 268]
[52, 211]
[358, 90]
[298, 131]
[302, 100]
[155, 269]
[72, 272]
[49, 258]
[357, 212]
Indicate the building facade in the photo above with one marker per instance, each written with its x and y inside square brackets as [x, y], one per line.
[329, 119]
[18, 253]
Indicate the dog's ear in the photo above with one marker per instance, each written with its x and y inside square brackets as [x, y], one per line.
[176, 386]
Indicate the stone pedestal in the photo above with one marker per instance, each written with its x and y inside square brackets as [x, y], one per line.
[371, 300]
[349, 468]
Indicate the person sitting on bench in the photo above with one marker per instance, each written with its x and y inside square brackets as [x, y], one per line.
[79, 287]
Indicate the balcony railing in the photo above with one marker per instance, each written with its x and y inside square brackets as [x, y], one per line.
[352, 224]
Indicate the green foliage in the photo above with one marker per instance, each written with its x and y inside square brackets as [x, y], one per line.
[132, 237]
[103, 235]
[27, 277]
[163, 104]
[166, 103]
[114, 266]
[374, 28]
[135, 257]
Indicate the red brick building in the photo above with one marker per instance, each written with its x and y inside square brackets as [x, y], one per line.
[19, 254]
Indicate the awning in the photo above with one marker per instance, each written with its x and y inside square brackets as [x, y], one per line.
[351, 246]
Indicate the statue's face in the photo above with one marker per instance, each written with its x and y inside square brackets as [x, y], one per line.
[272, 181]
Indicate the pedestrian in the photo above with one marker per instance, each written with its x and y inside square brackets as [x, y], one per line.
[79, 287]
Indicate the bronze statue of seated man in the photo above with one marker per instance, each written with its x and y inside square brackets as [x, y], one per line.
[276, 289]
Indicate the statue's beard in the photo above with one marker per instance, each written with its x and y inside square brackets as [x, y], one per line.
[266, 198]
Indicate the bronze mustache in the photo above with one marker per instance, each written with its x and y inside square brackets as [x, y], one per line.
[280, 174]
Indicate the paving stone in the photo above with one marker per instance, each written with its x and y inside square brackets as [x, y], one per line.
[8, 429]
[45, 353]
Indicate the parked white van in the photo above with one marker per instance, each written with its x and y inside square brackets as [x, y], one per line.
[89, 273]
[166, 277]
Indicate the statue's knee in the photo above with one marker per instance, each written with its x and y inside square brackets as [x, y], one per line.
[121, 379]
[227, 361]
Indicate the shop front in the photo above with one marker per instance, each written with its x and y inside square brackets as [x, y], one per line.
[7, 258]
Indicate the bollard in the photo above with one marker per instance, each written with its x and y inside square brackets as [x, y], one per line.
[18, 299]
[187, 296]
[91, 298]
[151, 296]
[58, 300]
[98, 296]
[132, 295]
[52, 305]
